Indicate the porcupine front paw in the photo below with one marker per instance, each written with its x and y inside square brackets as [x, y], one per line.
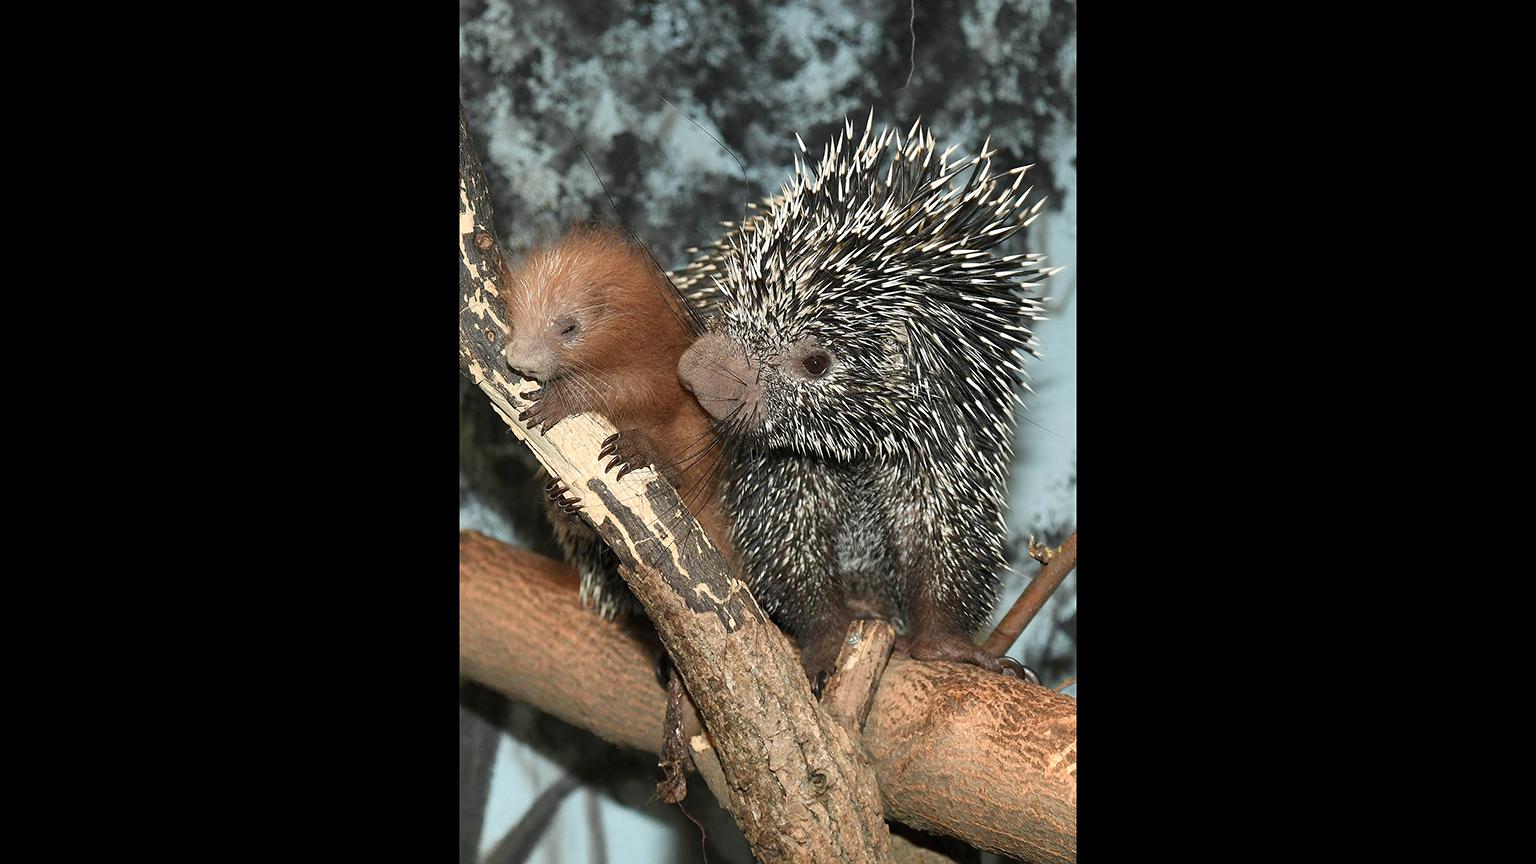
[568, 507]
[959, 649]
[549, 407]
[628, 450]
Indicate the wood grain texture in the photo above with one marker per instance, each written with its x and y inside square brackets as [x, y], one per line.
[967, 753]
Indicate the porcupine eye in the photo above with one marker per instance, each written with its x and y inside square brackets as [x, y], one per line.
[806, 359]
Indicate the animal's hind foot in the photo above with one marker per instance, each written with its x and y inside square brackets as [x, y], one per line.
[568, 506]
[959, 649]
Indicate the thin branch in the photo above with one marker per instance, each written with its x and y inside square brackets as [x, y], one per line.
[520, 840]
[1033, 599]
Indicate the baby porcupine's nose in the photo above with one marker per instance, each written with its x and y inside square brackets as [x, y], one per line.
[720, 377]
[529, 359]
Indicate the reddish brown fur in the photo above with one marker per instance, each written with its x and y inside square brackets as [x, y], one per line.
[622, 360]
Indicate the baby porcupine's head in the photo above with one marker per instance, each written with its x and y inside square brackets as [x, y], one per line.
[579, 305]
[861, 312]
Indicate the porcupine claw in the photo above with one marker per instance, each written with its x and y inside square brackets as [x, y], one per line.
[609, 449]
[569, 506]
[548, 408]
[958, 649]
[1014, 669]
[628, 451]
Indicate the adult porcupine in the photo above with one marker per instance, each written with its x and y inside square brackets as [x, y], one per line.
[863, 358]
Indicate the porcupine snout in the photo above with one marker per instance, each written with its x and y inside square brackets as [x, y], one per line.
[719, 374]
[529, 357]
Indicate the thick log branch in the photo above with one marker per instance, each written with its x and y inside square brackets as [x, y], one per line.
[958, 751]
[797, 783]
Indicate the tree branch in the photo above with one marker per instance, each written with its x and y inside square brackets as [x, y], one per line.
[1033, 599]
[958, 751]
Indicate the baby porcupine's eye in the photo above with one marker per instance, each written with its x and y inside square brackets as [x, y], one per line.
[816, 363]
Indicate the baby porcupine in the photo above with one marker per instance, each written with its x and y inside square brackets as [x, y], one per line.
[595, 322]
[863, 357]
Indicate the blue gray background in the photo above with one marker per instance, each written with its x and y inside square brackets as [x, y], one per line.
[751, 75]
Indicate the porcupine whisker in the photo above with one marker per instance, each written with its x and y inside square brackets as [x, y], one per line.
[590, 374]
[691, 497]
[727, 150]
[715, 440]
[746, 183]
[674, 518]
[711, 473]
[592, 385]
[687, 448]
[717, 364]
[1033, 423]
[694, 458]
[679, 462]
[585, 381]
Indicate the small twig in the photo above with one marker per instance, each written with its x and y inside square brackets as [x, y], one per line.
[1065, 684]
[1039, 551]
[1033, 598]
[674, 753]
[851, 690]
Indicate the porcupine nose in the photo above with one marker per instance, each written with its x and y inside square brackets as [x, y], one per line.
[718, 373]
[527, 359]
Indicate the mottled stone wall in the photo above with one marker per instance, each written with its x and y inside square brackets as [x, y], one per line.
[752, 75]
